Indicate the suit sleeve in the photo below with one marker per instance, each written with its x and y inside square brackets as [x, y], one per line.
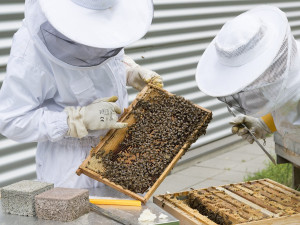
[268, 119]
[24, 115]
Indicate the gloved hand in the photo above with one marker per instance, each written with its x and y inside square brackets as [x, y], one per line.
[255, 125]
[138, 77]
[100, 114]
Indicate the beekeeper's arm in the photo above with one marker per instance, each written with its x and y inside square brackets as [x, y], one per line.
[260, 127]
[24, 116]
[138, 77]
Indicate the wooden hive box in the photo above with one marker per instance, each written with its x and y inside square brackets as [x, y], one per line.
[120, 143]
[259, 202]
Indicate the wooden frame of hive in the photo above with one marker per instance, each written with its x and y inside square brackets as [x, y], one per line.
[241, 196]
[114, 137]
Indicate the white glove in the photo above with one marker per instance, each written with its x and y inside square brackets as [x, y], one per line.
[255, 125]
[138, 77]
[100, 114]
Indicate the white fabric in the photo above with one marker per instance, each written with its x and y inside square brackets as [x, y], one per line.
[138, 77]
[96, 4]
[122, 24]
[287, 114]
[255, 125]
[242, 50]
[264, 94]
[274, 73]
[271, 83]
[35, 91]
[286, 108]
[99, 115]
[236, 44]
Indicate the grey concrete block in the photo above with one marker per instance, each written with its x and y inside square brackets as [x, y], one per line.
[18, 198]
[62, 204]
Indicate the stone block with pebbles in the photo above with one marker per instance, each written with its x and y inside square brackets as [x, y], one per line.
[136, 159]
[19, 198]
[62, 204]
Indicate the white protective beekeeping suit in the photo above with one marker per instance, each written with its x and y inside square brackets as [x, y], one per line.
[48, 73]
[253, 66]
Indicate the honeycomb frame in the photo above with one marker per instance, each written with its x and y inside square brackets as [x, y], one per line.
[114, 137]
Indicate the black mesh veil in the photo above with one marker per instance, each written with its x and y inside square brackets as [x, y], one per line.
[244, 102]
[73, 53]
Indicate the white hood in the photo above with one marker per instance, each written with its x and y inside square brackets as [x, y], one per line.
[59, 48]
[34, 18]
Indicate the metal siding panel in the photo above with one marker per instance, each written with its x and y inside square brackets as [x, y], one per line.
[17, 160]
[180, 32]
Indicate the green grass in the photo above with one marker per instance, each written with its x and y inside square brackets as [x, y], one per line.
[281, 173]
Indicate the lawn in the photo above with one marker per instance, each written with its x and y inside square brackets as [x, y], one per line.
[282, 173]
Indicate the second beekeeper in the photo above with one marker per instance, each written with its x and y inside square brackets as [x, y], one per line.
[253, 66]
[66, 79]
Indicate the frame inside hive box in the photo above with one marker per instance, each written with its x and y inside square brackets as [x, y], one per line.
[249, 203]
[136, 159]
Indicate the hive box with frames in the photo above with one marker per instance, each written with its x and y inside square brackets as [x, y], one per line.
[135, 160]
[249, 203]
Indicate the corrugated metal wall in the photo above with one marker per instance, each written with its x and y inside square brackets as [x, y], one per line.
[16, 160]
[180, 32]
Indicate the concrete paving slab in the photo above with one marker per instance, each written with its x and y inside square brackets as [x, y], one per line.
[208, 183]
[200, 172]
[252, 166]
[218, 163]
[176, 182]
[237, 156]
[255, 149]
[230, 176]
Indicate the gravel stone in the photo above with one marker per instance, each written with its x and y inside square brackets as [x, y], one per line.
[19, 198]
[62, 204]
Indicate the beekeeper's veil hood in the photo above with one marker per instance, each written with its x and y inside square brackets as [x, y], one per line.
[86, 27]
[249, 64]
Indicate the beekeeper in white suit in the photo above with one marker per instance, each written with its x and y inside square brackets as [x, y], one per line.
[253, 66]
[66, 79]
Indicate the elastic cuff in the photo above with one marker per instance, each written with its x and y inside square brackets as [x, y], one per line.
[129, 62]
[268, 120]
[77, 128]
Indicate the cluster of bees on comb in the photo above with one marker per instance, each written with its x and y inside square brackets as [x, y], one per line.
[196, 202]
[163, 125]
